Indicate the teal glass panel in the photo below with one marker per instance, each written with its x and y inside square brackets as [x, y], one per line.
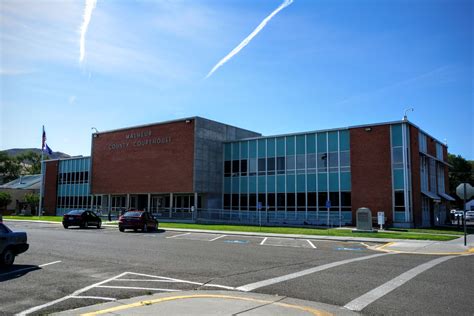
[244, 184]
[261, 184]
[344, 140]
[227, 185]
[244, 150]
[281, 146]
[281, 184]
[312, 182]
[301, 183]
[290, 184]
[398, 179]
[333, 182]
[322, 182]
[345, 181]
[290, 145]
[399, 217]
[332, 138]
[322, 144]
[235, 151]
[300, 144]
[310, 143]
[271, 147]
[227, 152]
[235, 185]
[252, 184]
[271, 184]
[346, 216]
[397, 135]
[253, 149]
[262, 151]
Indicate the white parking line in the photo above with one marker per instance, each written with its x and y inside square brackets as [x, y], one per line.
[256, 285]
[179, 235]
[27, 269]
[217, 237]
[264, 240]
[135, 288]
[311, 244]
[47, 264]
[95, 298]
[145, 280]
[368, 298]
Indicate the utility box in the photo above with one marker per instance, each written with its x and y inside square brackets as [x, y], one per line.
[364, 220]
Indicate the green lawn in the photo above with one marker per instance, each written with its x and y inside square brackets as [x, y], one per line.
[420, 234]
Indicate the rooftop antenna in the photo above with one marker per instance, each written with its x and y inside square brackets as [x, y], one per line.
[405, 117]
[95, 129]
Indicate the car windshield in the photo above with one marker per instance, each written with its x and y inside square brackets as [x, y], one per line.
[75, 212]
[133, 214]
[4, 229]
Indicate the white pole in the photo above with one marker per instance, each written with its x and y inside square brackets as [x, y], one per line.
[40, 208]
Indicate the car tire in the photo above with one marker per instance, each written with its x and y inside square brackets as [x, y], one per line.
[145, 228]
[99, 225]
[121, 229]
[65, 226]
[8, 257]
[86, 225]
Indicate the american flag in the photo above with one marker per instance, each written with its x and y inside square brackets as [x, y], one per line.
[44, 139]
[44, 147]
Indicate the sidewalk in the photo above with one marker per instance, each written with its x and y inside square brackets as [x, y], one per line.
[210, 303]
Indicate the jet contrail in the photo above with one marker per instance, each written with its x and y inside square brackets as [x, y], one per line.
[249, 38]
[90, 6]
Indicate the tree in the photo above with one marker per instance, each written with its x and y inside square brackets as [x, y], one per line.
[10, 168]
[5, 199]
[33, 200]
[460, 171]
[31, 161]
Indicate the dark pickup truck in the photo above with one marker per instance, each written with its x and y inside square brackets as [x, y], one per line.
[11, 245]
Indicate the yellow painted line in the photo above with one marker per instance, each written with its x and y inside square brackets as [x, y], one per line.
[310, 310]
[383, 248]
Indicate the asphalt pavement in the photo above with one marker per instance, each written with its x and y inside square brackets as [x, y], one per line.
[68, 269]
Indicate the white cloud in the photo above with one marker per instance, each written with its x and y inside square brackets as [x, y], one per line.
[89, 8]
[72, 100]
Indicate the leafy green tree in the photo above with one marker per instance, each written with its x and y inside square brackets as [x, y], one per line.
[32, 161]
[33, 200]
[460, 171]
[10, 168]
[5, 199]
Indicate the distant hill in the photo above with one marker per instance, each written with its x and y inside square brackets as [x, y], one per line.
[18, 151]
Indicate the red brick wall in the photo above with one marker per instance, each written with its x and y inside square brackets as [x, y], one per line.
[371, 170]
[50, 187]
[121, 165]
[431, 144]
[415, 175]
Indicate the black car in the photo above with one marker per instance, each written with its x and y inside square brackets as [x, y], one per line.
[136, 220]
[11, 245]
[81, 218]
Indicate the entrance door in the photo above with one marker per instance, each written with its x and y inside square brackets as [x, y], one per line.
[425, 206]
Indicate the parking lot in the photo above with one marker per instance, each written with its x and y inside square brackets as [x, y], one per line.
[65, 269]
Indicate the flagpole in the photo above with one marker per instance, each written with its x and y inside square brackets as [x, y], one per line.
[41, 186]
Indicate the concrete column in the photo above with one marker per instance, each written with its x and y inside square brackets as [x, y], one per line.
[109, 202]
[92, 202]
[127, 201]
[148, 207]
[171, 203]
[195, 213]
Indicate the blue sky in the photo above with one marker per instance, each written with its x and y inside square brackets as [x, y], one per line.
[315, 65]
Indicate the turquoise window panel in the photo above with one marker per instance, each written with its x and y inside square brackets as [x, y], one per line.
[244, 150]
[290, 184]
[345, 181]
[235, 185]
[227, 152]
[310, 143]
[398, 179]
[262, 150]
[300, 144]
[333, 182]
[333, 142]
[399, 217]
[312, 182]
[346, 216]
[281, 146]
[271, 147]
[322, 143]
[271, 184]
[227, 185]
[322, 182]
[235, 151]
[262, 184]
[301, 183]
[344, 140]
[290, 145]
[244, 185]
[281, 184]
[252, 184]
[397, 139]
[253, 149]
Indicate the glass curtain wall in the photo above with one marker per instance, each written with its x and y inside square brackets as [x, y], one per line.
[299, 178]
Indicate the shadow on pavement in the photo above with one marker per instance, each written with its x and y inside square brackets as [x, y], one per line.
[16, 271]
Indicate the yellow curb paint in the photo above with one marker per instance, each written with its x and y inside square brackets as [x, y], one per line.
[313, 311]
[383, 248]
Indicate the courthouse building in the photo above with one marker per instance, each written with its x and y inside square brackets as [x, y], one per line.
[201, 170]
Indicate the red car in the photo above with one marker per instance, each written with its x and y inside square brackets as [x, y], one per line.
[136, 220]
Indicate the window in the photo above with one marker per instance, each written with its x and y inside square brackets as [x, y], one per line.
[300, 162]
[423, 144]
[227, 168]
[301, 201]
[399, 201]
[271, 166]
[226, 201]
[311, 162]
[345, 159]
[322, 162]
[243, 167]
[290, 201]
[281, 201]
[252, 202]
[322, 198]
[333, 162]
[397, 157]
[346, 199]
[235, 168]
[334, 198]
[311, 200]
[271, 201]
[235, 201]
[439, 151]
[280, 165]
[244, 202]
[261, 200]
[252, 166]
[261, 166]
[290, 164]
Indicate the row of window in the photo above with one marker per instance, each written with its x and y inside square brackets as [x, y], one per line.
[77, 201]
[288, 201]
[289, 164]
[73, 177]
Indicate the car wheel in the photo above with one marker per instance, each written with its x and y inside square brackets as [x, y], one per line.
[145, 228]
[99, 225]
[121, 229]
[65, 226]
[8, 257]
[86, 225]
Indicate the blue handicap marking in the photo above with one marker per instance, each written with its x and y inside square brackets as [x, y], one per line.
[237, 241]
[348, 249]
